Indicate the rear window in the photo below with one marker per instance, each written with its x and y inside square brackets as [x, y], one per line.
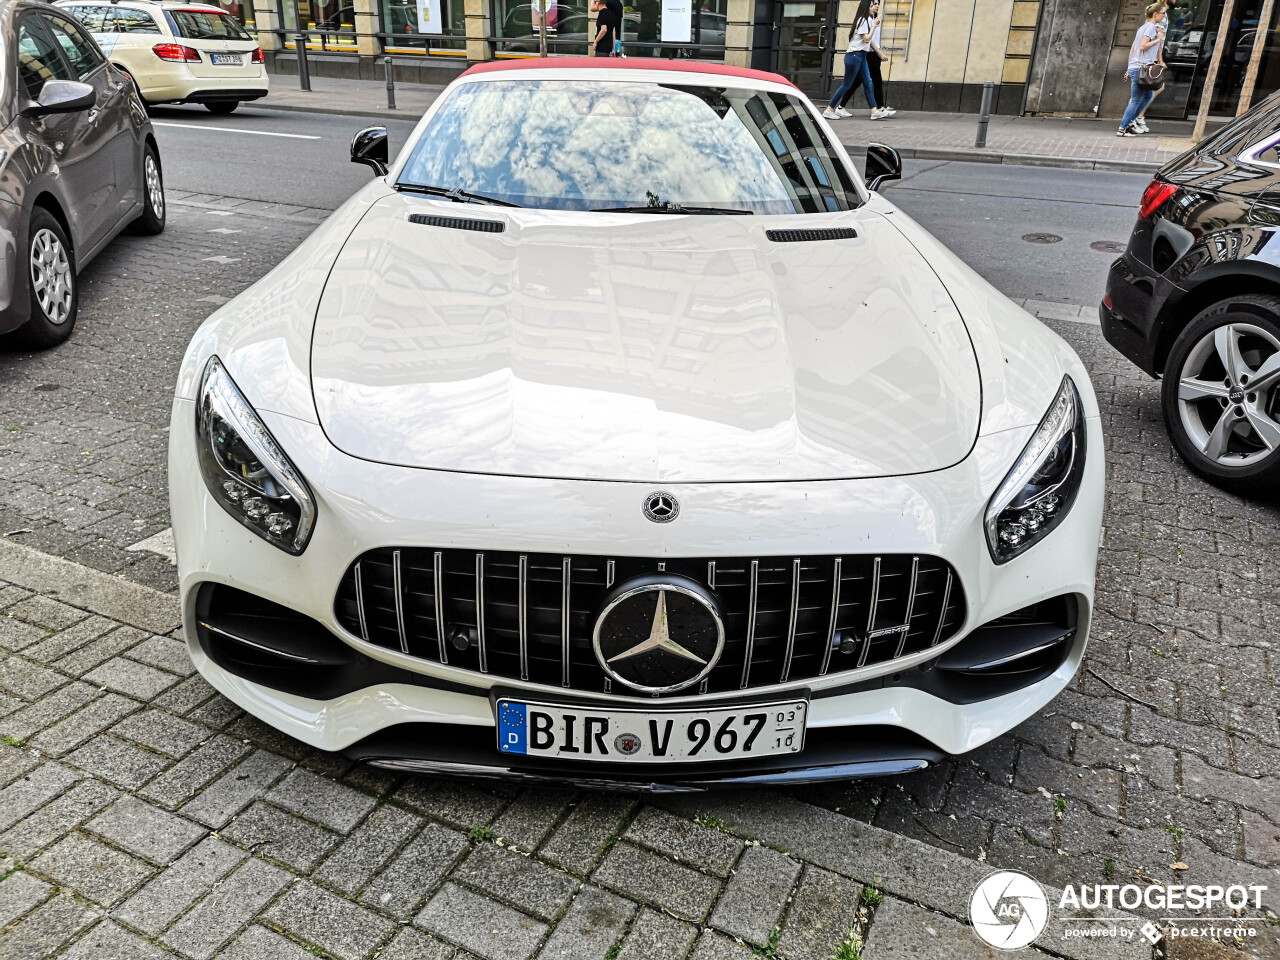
[207, 25]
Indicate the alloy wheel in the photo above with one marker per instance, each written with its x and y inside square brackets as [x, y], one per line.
[155, 189]
[51, 276]
[1228, 399]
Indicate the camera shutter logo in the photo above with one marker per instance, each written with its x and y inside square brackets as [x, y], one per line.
[1008, 910]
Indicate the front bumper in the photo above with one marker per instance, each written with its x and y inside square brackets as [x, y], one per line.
[426, 716]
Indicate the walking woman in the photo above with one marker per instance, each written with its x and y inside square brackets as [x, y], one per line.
[875, 56]
[856, 71]
[1145, 50]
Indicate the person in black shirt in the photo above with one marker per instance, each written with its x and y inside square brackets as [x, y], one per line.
[608, 22]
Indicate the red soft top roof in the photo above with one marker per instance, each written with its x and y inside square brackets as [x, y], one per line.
[615, 63]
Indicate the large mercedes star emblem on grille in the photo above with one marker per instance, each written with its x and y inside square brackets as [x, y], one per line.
[659, 633]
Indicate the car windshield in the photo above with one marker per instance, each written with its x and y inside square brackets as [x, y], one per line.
[206, 25]
[593, 145]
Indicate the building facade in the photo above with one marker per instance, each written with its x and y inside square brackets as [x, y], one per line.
[1045, 57]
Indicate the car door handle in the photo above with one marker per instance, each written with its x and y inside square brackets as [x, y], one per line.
[93, 115]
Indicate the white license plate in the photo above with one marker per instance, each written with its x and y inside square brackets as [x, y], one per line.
[651, 736]
[225, 59]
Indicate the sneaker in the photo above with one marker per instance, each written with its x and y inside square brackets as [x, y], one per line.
[879, 114]
[842, 112]
[889, 111]
[1140, 126]
[830, 114]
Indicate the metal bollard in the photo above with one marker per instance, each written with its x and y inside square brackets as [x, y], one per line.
[391, 83]
[304, 71]
[984, 117]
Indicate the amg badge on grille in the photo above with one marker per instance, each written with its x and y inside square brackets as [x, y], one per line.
[661, 507]
[659, 633]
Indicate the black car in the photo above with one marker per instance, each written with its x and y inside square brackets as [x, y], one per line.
[1196, 300]
[78, 164]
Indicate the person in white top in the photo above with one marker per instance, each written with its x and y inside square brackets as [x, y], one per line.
[875, 56]
[856, 72]
[1146, 49]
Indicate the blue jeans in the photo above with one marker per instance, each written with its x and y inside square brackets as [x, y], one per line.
[1138, 100]
[856, 72]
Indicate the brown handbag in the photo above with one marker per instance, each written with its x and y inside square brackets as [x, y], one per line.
[1151, 76]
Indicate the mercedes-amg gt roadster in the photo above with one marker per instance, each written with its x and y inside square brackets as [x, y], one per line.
[618, 432]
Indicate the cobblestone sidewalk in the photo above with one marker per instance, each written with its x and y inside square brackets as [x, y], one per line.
[1160, 763]
[145, 816]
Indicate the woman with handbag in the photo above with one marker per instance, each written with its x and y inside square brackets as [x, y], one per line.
[1146, 67]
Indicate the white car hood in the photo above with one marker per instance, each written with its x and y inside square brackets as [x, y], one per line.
[640, 348]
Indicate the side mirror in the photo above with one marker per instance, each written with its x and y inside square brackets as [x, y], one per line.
[369, 147]
[62, 96]
[883, 163]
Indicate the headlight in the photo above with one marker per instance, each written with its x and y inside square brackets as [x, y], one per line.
[1039, 490]
[245, 469]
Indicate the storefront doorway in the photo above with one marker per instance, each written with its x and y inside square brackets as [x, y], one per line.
[1194, 27]
[803, 36]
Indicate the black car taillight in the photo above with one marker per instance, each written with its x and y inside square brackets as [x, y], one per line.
[1154, 196]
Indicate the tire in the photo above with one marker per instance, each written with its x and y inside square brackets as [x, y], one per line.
[222, 107]
[1225, 432]
[54, 288]
[154, 207]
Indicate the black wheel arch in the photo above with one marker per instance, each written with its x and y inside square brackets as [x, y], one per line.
[1215, 284]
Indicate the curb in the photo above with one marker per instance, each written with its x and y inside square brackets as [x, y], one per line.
[974, 155]
[406, 115]
[955, 154]
[80, 586]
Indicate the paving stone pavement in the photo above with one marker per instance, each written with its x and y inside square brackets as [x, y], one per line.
[143, 815]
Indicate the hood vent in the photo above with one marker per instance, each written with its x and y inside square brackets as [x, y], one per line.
[458, 223]
[802, 236]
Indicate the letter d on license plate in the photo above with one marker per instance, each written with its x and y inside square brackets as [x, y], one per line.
[651, 736]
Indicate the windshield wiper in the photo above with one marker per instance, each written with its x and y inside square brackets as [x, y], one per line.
[455, 194]
[674, 208]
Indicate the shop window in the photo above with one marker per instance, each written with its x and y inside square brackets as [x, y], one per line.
[405, 22]
[516, 23]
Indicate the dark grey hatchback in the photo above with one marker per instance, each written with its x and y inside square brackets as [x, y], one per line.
[78, 164]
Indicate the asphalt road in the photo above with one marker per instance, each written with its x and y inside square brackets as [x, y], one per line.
[982, 211]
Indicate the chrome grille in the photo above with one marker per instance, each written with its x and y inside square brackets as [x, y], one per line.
[530, 616]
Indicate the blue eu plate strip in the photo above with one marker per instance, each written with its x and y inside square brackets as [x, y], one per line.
[512, 726]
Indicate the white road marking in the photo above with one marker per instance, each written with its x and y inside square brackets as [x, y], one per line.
[256, 133]
[215, 299]
[222, 230]
[161, 543]
[221, 259]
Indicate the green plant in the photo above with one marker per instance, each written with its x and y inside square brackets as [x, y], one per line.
[480, 834]
[872, 897]
[850, 947]
[1158, 652]
[769, 949]
[1174, 830]
[710, 821]
[1108, 867]
[13, 741]
[612, 952]
[1059, 805]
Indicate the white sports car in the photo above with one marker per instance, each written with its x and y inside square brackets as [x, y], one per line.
[618, 433]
